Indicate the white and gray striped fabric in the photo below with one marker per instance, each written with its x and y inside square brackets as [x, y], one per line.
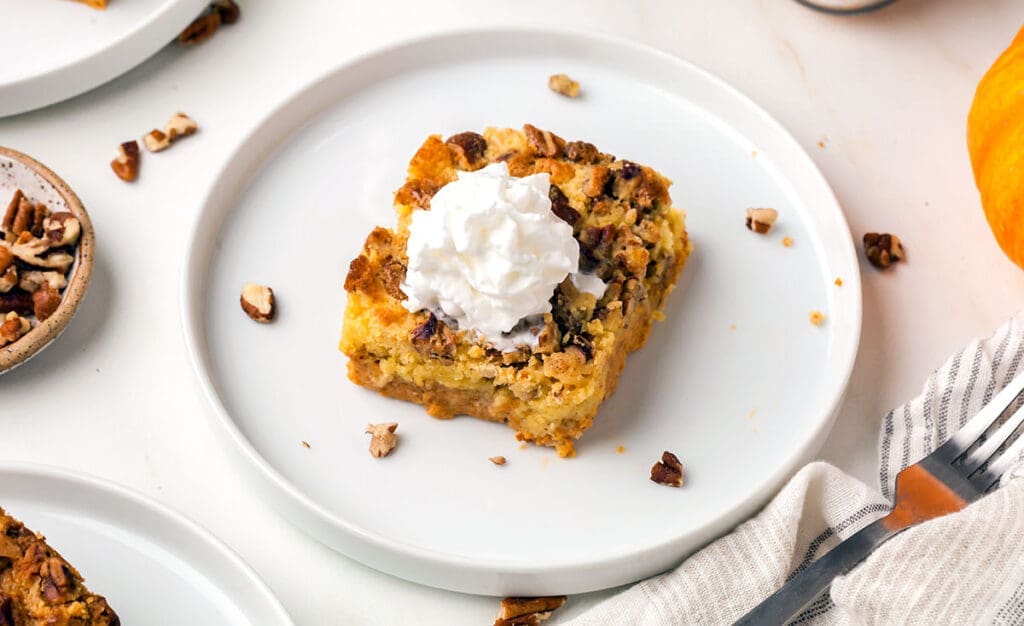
[966, 568]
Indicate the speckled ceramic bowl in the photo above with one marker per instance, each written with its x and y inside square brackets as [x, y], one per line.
[40, 184]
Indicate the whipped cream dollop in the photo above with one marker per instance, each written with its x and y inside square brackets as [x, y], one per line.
[490, 252]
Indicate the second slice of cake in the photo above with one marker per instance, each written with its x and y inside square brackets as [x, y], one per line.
[518, 300]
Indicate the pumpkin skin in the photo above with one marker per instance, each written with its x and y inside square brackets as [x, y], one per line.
[995, 141]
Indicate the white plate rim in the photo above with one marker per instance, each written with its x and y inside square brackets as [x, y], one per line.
[379, 552]
[217, 547]
[88, 72]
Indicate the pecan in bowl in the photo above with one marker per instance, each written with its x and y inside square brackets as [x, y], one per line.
[46, 252]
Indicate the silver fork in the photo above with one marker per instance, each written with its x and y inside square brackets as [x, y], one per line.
[961, 471]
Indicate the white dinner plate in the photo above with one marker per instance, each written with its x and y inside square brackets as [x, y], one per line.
[737, 382]
[152, 565]
[56, 49]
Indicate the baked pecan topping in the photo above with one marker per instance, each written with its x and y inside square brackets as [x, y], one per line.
[580, 345]
[469, 148]
[9, 549]
[883, 249]
[599, 178]
[630, 170]
[433, 338]
[544, 142]
[582, 152]
[668, 471]
[392, 274]
[560, 206]
[597, 240]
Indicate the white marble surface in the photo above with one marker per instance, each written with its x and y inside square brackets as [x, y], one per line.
[886, 93]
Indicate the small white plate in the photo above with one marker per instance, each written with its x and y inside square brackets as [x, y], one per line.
[737, 381]
[151, 564]
[56, 49]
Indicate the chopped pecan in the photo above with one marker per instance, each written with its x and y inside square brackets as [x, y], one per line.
[229, 11]
[45, 301]
[560, 206]
[383, 438]
[6, 259]
[582, 152]
[156, 141]
[180, 125]
[497, 460]
[562, 84]
[433, 338]
[649, 232]
[883, 249]
[597, 240]
[12, 211]
[579, 345]
[126, 164]
[468, 148]
[201, 29]
[38, 218]
[634, 258]
[32, 280]
[258, 302]
[63, 229]
[13, 327]
[761, 220]
[392, 274]
[544, 142]
[630, 170]
[8, 277]
[9, 548]
[15, 302]
[527, 611]
[599, 178]
[23, 219]
[668, 471]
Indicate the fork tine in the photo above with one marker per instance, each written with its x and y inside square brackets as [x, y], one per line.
[1010, 457]
[977, 425]
[975, 459]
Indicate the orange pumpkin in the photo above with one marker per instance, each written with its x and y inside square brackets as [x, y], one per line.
[995, 140]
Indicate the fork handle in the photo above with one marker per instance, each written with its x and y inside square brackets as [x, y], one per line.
[799, 591]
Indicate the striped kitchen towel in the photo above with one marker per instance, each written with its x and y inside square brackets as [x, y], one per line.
[966, 568]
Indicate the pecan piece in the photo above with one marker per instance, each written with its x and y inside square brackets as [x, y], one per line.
[579, 345]
[13, 327]
[8, 277]
[392, 275]
[630, 170]
[599, 178]
[9, 549]
[560, 206]
[668, 471]
[258, 302]
[497, 460]
[6, 259]
[32, 280]
[761, 220]
[63, 229]
[12, 210]
[23, 219]
[527, 611]
[382, 438]
[544, 142]
[582, 152]
[201, 29]
[45, 301]
[156, 140]
[229, 11]
[15, 302]
[433, 338]
[468, 148]
[562, 84]
[180, 125]
[883, 249]
[126, 164]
